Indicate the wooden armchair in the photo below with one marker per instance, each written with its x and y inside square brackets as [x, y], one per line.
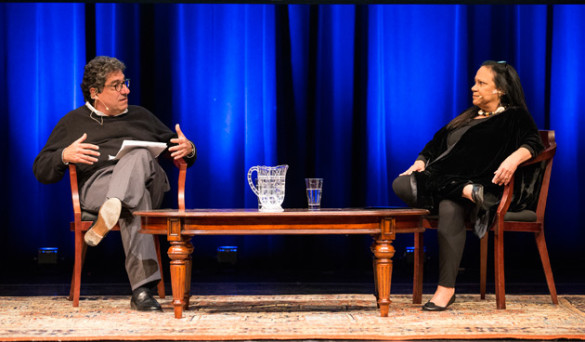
[83, 221]
[507, 221]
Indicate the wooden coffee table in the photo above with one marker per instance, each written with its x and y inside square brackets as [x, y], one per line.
[382, 224]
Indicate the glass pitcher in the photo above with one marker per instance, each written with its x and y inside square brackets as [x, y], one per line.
[270, 189]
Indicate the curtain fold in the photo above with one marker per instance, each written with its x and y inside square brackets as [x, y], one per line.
[417, 82]
[567, 100]
[41, 78]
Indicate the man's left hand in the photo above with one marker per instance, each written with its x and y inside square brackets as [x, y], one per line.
[183, 148]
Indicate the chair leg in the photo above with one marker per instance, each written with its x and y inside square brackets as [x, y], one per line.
[499, 270]
[483, 265]
[542, 250]
[80, 251]
[418, 268]
[161, 283]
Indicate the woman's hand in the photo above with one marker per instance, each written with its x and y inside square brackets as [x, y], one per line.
[506, 170]
[418, 165]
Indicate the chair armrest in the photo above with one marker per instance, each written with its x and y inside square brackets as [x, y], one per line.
[508, 192]
[74, 192]
[182, 166]
[506, 199]
[546, 155]
[549, 140]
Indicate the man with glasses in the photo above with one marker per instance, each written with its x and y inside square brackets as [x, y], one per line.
[89, 137]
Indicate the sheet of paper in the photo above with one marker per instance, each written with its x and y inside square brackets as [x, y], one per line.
[155, 148]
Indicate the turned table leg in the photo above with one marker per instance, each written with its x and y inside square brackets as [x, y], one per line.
[383, 252]
[188, 267]
[180, 255]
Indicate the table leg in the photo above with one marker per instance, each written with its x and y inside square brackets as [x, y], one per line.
[383, 251]
[375, 270]
[188, 268]
[180, 255]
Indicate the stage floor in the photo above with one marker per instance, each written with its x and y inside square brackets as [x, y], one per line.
[230, 282]
[105, 277]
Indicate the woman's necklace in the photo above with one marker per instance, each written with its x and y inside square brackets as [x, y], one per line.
[498, 111]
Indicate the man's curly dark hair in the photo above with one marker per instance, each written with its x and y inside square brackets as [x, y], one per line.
[96, 72]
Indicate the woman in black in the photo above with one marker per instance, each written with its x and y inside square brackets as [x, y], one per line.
[460, 173]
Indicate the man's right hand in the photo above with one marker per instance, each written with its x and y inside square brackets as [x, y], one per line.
[81, 153]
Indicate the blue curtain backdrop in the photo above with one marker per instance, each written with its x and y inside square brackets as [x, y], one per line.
[350, 93]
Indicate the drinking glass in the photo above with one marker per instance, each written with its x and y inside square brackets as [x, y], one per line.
[314, 188]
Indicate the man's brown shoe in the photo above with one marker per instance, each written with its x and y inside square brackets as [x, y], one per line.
[108, 216]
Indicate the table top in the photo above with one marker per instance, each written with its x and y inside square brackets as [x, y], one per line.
[289, 221]
[302, 212]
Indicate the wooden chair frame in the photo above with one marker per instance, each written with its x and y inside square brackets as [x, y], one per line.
[502, 225]
[80, 227]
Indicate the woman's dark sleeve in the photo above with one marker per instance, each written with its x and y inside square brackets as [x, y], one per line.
[527, 134]
[434, 147]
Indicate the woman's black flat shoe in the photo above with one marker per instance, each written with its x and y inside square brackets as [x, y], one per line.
[430, 306]
[477, 195]
[484, 211]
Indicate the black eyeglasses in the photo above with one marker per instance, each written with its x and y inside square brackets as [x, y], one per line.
[503, 63]
[118, 86]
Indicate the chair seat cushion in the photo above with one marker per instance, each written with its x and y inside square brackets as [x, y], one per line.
[87, 216]
[524, 216]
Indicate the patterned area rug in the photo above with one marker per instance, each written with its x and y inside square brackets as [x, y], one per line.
[293, 317]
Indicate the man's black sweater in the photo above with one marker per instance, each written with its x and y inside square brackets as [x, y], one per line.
[108, 132]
